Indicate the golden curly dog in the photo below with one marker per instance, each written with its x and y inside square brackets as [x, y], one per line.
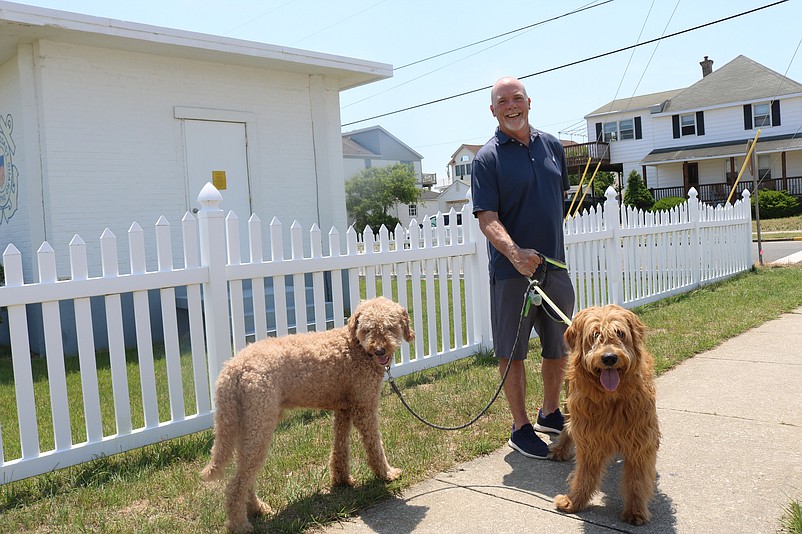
[339, 369]
[611, 402]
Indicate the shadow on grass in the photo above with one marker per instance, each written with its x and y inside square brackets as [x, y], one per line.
[325, 508]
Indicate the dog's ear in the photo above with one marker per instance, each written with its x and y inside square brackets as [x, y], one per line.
[409, 334]
[575, 328]
[636, 327]
[353, 323]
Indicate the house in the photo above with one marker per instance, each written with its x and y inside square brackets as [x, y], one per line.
[459, 168]
[376, 147]
[697, 136]
[105, 122]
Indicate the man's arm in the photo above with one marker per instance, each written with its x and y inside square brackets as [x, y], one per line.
[525, 260]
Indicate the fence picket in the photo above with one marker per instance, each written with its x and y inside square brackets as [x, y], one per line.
[258, 283]
[21, 359]
[298, 280]
[172, 351]
[86, 344]
[200, 375]
[279, 285]
[114, 329]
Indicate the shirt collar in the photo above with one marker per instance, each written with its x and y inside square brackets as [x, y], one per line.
[504, 138]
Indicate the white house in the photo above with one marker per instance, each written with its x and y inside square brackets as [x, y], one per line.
[376, 147]
[104, 122]
[461, 163]
[697, 136]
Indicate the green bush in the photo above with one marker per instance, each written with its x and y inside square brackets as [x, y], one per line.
[637, 194]
[775, 204]
[667, 203]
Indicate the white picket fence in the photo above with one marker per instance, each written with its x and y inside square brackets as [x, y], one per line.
[615, 255]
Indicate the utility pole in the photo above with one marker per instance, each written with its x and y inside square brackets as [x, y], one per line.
[757, 180]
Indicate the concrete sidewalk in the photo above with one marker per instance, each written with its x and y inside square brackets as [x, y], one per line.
[730, 458]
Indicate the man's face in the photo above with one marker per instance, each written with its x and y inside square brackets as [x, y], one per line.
[511, 107]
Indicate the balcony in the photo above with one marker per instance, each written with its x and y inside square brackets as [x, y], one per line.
[577, 157]
[428, 179]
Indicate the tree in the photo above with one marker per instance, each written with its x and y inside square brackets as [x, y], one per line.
[370, 194]
[602, 181]
[637, 194]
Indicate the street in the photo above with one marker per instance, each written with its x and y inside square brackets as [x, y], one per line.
[776, 250]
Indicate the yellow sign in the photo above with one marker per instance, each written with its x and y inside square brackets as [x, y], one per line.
[219, 180]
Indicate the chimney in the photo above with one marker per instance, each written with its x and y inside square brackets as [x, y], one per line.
[707, 66]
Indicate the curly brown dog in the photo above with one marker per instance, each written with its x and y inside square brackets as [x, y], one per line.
[339, 369]
[611, 402]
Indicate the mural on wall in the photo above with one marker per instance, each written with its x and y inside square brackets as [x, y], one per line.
[9, 185]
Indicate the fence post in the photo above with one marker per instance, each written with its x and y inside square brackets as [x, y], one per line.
[694, 214]
[479, 283]
[215, 292]
[614, 267]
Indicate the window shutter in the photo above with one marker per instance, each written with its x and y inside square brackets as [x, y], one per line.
[638, 129]
[747, 116]
[775, 113]
[675, 123]
[700, 123]
[598, 131]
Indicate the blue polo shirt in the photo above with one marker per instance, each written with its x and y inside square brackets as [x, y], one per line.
[525, 186]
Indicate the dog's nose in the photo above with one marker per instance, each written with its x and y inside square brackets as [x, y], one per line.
[609, 359]
[379, 352]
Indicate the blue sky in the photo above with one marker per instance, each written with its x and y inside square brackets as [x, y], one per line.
[399, 32]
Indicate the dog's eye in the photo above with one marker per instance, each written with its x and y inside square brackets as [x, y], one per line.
[620, 334]
[596, 334]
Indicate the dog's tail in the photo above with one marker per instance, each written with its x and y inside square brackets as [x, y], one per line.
[226, 424]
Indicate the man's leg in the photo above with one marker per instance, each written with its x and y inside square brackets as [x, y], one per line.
[553, 372]
[515, 390]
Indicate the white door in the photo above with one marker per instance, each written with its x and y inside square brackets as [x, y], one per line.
[216, 152]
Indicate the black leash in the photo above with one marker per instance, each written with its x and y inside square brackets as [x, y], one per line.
[529, 298]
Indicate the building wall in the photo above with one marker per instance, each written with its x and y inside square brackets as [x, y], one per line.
[14, 217]
[112, 149]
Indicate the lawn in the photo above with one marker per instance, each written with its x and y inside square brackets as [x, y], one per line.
[157, 488]
[782, 228]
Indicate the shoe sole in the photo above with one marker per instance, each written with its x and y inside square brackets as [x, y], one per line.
[547, 430]
[527, 454]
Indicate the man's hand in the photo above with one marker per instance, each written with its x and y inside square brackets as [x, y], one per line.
[526, 261]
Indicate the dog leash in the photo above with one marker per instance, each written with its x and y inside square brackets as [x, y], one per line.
[529, 299]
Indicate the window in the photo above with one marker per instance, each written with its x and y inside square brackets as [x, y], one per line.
[688, 124]
[367, 164]
[627, 129]
[413, 210]
[465, 158]
[467, 169]
[764, 167]
[761, 115]
[459, 170]
[610, 131]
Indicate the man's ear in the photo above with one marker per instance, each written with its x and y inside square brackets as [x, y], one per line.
[492, 110]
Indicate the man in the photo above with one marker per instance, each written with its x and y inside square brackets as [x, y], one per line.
[519, 179]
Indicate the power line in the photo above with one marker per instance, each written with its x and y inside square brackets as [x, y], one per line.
[571, 64]
[578, 10]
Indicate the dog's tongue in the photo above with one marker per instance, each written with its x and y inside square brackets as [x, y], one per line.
[609, 379]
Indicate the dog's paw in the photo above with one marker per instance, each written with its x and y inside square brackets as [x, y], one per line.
[636, 517]
[564, 504]
[560, 454]
[392, 474]
[259, 507]
[344, 480]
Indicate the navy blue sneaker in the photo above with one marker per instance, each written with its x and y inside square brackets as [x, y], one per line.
[551, 424]
[525, 441]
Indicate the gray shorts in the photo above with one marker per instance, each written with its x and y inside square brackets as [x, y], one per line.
[506, 305]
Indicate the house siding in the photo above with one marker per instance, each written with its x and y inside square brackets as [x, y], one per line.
[112, 149]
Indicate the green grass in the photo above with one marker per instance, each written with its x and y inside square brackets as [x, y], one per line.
[782, 228]
[792, 519]
[157, 488]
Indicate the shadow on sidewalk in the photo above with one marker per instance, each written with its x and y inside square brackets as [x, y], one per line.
[548, 478]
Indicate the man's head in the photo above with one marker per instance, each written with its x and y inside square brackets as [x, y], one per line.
[510, 106]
